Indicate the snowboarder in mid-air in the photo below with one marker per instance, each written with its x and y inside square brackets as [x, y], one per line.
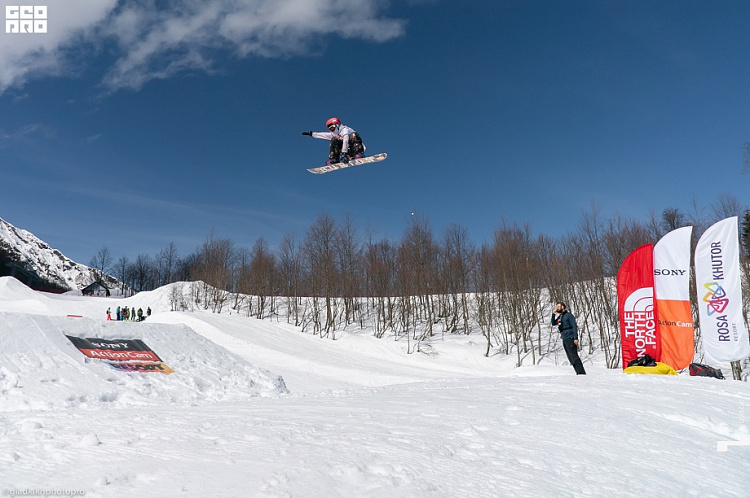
[346, 144]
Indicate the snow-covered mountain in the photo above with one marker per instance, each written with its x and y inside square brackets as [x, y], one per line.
[33, 262]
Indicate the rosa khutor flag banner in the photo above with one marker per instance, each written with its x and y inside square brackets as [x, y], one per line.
[717, 279]
[672, 290]
[639, 327]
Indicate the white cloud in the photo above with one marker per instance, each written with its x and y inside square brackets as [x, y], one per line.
[24, 56]
[158, 39]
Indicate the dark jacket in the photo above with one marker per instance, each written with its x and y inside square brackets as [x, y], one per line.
[566, 324]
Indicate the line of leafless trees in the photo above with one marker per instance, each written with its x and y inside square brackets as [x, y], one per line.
[426, 284]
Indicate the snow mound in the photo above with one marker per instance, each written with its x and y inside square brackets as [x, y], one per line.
[40, 369]
[21, 298]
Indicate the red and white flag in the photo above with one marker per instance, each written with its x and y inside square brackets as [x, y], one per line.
[639, 327]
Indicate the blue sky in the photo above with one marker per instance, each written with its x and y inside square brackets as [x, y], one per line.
[131, 126]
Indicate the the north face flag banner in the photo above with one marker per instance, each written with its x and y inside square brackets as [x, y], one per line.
[717, 279]
[639, 328]
[672, 289]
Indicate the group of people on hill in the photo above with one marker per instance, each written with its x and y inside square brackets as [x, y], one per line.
[125, 313]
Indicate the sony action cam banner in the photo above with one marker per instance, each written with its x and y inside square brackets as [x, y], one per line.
[639, 327]
[672, 288]
[130, 355]
[717, 282]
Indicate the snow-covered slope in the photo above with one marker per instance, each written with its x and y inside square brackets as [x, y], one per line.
[362, 418]
[42, 370]
[34, 258]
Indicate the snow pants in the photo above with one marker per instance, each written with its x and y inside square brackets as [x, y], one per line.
[571, 349]
[355, 147]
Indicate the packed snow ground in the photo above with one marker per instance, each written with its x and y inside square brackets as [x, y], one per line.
[352, 417]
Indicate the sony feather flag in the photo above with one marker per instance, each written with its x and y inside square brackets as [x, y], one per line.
[672, 290]
[639, 327]
[717, 279]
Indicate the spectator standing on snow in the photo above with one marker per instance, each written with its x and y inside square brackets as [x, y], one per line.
[118, 314]
[566, 324]
[109, 314]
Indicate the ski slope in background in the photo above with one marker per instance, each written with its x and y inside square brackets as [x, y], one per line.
[258, 408]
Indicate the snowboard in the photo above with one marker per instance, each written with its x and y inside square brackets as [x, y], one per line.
[354, 162]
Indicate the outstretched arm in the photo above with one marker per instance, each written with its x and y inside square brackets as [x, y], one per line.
[325, 135]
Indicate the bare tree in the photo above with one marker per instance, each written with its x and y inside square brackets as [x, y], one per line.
[381, 280]
[486, 298]
[214, 267]
[290, 269]
[262, 276]
[726, 206]
[102, 262]
[140, 272]
[672, 219]
[166, 264]
[520, 300]
[320, 254]
[177, 299]
[458, 265]
[417, 279]
[349, 255]
[121, 271]
[184, 268]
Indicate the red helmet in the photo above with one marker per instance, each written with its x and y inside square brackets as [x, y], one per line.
[333, 122]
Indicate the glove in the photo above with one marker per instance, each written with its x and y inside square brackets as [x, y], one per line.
[308, 133]
[343, 158]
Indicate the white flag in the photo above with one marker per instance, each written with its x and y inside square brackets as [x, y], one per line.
[717, 278]
[672, 288]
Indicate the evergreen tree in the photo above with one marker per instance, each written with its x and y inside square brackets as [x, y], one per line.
[745, 234]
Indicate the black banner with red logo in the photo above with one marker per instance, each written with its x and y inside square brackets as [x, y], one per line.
[130, 355]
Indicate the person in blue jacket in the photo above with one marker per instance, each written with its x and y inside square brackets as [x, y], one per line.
[566, 324]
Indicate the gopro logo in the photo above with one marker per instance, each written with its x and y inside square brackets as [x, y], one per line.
[25, 19]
